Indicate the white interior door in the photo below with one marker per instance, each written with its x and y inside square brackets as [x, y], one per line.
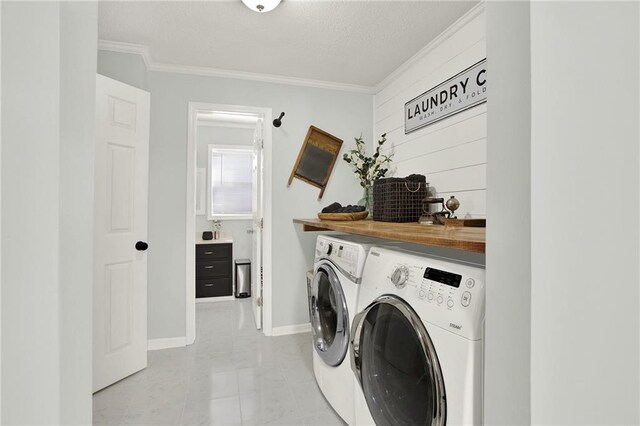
[120, 268]
[256, 253]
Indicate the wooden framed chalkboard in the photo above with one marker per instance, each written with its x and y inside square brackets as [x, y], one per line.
[316, 158]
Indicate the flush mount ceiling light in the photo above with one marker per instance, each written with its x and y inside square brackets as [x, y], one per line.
[261, 5]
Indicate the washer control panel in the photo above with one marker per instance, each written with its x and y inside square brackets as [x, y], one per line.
[349, 257]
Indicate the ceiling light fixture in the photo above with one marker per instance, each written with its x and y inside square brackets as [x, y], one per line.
[261, 5]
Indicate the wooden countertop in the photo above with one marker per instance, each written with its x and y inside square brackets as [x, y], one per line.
[460, 238]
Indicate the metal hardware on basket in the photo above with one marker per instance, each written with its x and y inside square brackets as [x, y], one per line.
[406, 185]
[208, 267]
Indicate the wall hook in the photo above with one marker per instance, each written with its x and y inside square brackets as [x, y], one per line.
[278, 121]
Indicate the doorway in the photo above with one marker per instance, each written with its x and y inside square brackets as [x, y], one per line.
[217, 130]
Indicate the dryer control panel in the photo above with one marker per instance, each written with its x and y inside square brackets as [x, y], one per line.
[446, 293]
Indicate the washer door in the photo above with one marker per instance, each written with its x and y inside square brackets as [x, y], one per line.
[329, 316]
[396, 364]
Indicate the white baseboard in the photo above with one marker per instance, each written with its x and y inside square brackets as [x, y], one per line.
[215, 299]
[291, 329]
[166, 343]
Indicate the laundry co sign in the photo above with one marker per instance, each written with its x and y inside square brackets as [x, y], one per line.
[462, 91]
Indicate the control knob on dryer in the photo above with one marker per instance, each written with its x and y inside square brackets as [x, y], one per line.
[328, 249]
[400, 276]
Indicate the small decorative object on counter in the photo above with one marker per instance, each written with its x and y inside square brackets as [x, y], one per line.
[452, 205]
[399, 199]
[368, 169]
[217, 225]
[207, 235]
[468, 223]
[440, 217]
[433, 218]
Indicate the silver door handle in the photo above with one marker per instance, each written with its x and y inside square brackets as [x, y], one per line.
[208, 252]
[208, 285]
[208, 267]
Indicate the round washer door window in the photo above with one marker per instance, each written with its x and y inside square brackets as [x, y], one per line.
[329, 316]
[399, 371]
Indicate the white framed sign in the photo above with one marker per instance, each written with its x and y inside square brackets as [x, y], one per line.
[462, 91]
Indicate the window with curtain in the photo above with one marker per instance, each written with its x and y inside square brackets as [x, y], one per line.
[231, 182]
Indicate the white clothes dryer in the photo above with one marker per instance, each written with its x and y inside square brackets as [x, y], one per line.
[416, 348]
[339, 261]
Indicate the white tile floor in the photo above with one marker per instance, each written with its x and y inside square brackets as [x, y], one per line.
[233, 374]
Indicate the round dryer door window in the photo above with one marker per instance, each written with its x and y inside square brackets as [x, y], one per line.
[397, 366]
[329, 316]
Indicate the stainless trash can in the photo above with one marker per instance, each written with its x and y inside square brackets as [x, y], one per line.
[243, 278]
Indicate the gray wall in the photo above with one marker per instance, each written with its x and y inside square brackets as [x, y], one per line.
[577, 353]
[508, 258]
[343, 114]
[78, 40]
[237, 229]
[585, 278]
[48, 99]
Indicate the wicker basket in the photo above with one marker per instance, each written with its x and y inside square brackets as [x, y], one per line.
[398, 199]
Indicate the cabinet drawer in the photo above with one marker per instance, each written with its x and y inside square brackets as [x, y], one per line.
[212, 287]
[213, 268]
[213, 251]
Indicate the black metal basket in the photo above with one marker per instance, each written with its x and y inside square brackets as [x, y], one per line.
[399, 199]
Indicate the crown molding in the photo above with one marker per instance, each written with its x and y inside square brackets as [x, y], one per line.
[446, 34]
[266, 78]
[121, 47]
[143, 51]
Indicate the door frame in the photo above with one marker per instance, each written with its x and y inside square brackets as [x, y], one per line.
[192, 147]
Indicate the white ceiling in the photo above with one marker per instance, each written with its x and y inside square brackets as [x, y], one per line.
[349, 42]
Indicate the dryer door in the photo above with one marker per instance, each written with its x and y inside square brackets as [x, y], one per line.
[329, 316]
[397, 366]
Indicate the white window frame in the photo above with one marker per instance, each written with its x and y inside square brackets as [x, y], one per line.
[224, 148]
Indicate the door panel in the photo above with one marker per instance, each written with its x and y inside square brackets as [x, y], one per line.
[120, 271]
[118, 305]
[120, 190]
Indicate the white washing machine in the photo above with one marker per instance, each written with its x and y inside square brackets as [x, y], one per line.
[339, 261]
[416, 349]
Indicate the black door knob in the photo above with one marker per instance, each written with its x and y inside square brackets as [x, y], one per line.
[142, 246]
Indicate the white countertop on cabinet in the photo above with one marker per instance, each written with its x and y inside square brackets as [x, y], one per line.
[224, 239]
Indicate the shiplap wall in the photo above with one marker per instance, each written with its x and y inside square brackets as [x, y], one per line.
[452, 153]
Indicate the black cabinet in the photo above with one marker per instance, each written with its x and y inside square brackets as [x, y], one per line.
[214, 270]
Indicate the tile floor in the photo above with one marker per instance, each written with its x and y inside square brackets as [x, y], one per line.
[232, 375]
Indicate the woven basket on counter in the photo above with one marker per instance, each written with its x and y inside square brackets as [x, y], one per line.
[399, 199]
